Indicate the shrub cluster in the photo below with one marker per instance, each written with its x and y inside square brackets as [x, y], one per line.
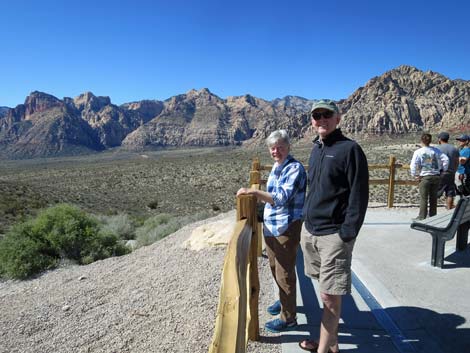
[59, 232]
[66, 232]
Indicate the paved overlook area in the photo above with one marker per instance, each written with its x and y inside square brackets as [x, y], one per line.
[163, 298]
[399, 302]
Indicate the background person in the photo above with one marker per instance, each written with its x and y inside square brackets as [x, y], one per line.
[447, 182]
[426, 166]
[463, 170]
[284, 197]
[334, 211]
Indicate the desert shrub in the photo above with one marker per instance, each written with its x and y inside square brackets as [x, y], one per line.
[62, 231]
[159, 226]
[102, 246]
[67, 229]
[121, 225]
[156, 228]
[23, 253]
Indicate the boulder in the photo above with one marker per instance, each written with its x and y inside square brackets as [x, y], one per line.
[217, 233]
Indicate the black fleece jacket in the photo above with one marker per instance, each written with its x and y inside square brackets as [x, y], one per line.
[338, 187]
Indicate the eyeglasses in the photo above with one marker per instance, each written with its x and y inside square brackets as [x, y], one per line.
[327, 114]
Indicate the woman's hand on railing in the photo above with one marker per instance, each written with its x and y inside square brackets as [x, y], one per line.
[243, 191]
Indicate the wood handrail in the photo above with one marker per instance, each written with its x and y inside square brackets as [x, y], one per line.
[391, 180]
[230, 325]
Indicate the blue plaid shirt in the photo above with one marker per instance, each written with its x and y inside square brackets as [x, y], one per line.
[286, 184]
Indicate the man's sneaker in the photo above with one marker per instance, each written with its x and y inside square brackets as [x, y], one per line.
[274, 309]
[278, 325]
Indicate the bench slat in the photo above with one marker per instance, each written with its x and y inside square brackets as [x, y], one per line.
[439, 222]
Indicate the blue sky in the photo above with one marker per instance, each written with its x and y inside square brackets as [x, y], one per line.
[142, 49]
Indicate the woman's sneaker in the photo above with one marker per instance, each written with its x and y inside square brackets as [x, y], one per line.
[274, 309]
[278, 325]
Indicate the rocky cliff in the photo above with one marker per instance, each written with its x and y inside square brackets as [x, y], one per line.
[3, 111]
[200, 118]
[402, 100]
[406, 99]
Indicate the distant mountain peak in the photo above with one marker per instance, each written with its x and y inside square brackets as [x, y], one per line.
[88, 100]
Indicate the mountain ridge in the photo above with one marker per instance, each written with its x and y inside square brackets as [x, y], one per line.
[404, 99]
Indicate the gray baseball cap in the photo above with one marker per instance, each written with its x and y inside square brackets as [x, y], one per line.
[327, 104]
[444, 135]
[463, 137]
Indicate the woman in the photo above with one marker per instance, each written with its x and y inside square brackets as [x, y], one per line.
[284, 198]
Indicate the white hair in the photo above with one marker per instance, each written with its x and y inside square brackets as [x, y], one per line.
[276, 136]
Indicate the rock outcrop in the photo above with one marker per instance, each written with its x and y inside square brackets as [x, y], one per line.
[200, 118]
[3, 111]
[406, 99]
[47, 126]
[111, 123]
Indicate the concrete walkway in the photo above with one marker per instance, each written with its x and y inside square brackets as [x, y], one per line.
[399, 303]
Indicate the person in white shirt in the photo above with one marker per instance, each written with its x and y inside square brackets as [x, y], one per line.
[427, 164]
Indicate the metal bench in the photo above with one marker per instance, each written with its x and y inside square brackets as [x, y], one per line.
[444, 226]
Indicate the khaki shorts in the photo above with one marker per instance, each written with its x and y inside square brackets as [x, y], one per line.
[327, 258]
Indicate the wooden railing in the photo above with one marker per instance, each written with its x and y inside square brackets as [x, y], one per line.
[237, 312]
[391, 181]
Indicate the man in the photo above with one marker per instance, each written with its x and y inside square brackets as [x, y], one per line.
[447, 182]
[463, 170]
[426, 166]
[335, 207]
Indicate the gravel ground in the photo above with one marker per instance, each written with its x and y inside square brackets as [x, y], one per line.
[160, 298]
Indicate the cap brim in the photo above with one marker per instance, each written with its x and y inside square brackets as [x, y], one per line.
[323, 106]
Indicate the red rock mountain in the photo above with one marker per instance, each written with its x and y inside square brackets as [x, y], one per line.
[401, 100]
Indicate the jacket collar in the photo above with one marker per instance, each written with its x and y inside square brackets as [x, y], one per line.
[336, 135]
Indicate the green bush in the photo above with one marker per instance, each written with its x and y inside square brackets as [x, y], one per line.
[102, 246]
[23, 254]
[62, 231]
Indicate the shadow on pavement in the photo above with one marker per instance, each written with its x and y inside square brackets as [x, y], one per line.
[421, 330]
[442, 328]
[458, 259]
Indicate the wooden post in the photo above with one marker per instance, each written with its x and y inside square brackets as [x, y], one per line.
[255, 179]
[255, 172]
[391, 181]
[246, 208]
